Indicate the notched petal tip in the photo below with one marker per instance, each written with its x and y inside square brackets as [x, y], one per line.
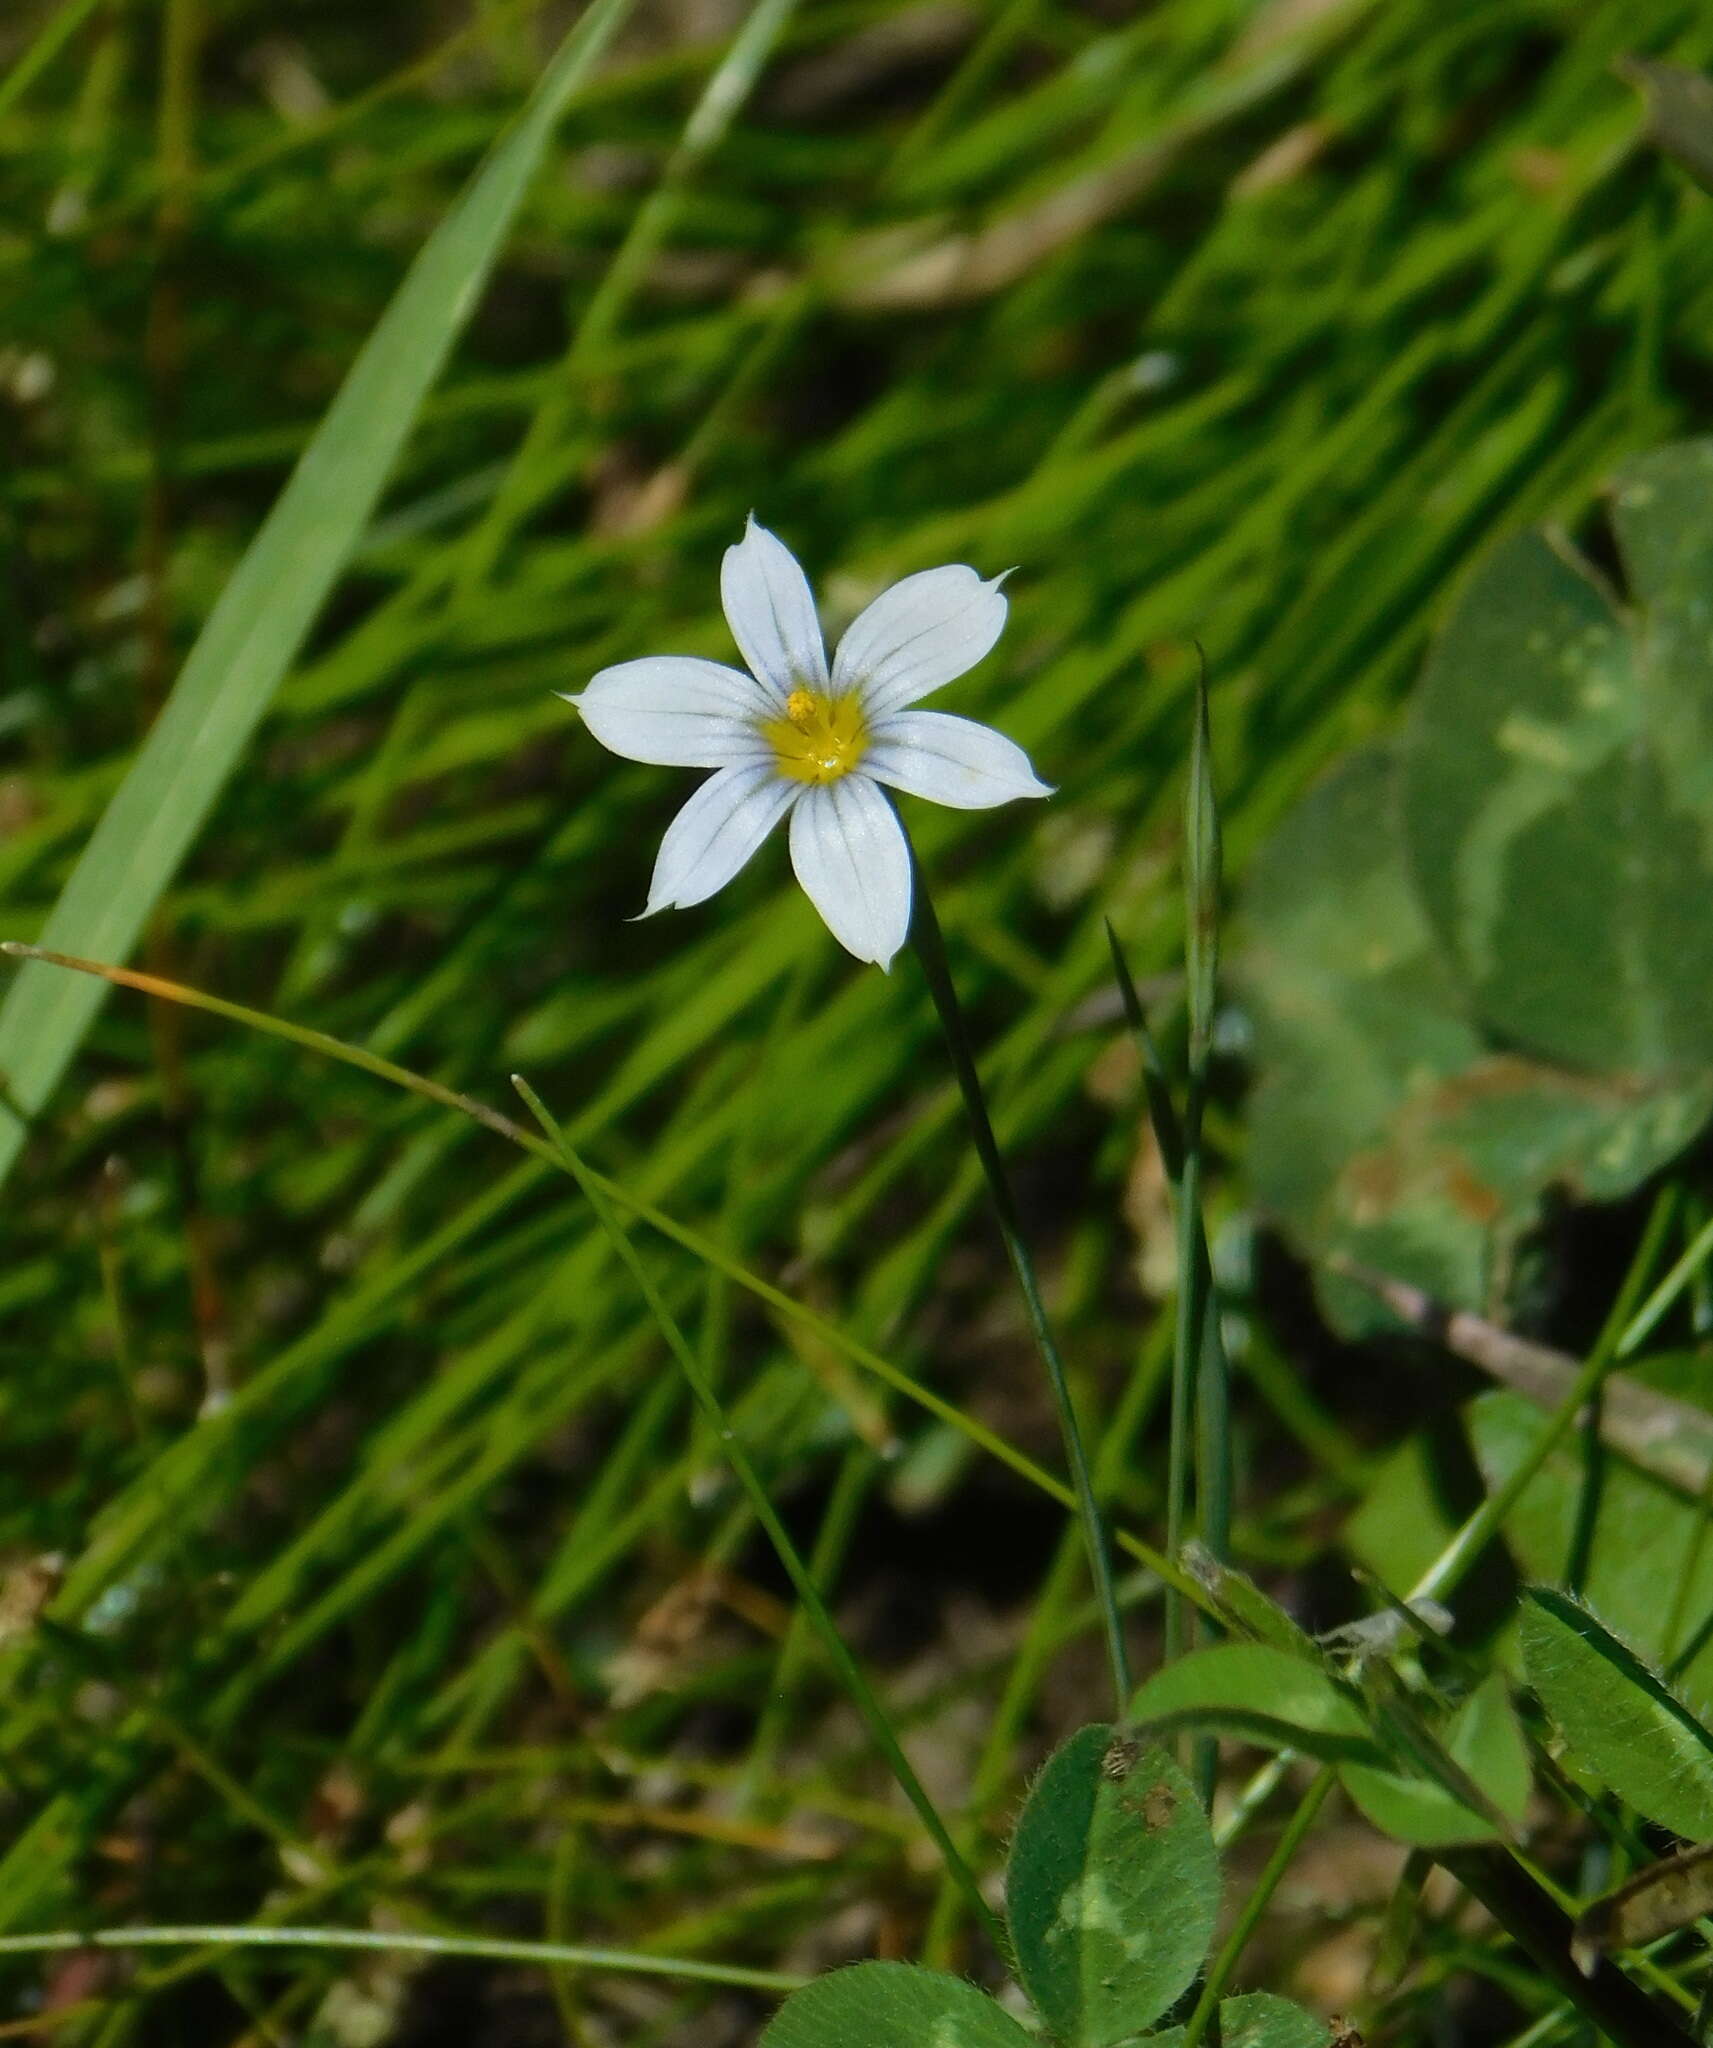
[954, 761]
[771, 611]
[922, 632]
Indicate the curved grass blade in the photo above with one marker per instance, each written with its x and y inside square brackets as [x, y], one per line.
[480, 1948]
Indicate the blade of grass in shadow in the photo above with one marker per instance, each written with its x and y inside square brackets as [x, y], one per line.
[692, 1241]
[1200, 1375]
[837, 1651]
[1169, 1136]
[272, 599]
[1195, 1356]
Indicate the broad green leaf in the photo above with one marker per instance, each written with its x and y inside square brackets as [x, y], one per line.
[1413, 1810]
[271, 600]
[891, 2005]
[1484, 1739]
[1644, 1533]
[1262, 1694]
[1385, 1127]
[1113, 1888]
[1352, 1006]
[1258, 2019]
[1619, 1720]
[1555, 740]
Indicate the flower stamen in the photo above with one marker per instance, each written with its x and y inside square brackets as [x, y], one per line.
[820, 738]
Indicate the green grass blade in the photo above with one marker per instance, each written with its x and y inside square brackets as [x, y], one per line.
[272, 599]
[479, 1948]
[52, 37]
[834, 1647]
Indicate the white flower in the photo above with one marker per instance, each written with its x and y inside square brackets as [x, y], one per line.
[790, 738]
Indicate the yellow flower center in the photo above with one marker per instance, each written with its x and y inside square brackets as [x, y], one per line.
[820, 738]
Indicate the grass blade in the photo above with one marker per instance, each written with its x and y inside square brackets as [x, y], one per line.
[482, 1948]
[833, 1645]
[272, 599]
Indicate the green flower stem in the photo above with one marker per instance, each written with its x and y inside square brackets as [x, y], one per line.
[802, 1578]
[930, 944]
[1219, 1975]
[60, 1941]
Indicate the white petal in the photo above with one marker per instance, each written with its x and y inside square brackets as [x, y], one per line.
[917, 635]
[771, 612]
[951, 761]
[716, 832]
[851, 856]
[676, 711]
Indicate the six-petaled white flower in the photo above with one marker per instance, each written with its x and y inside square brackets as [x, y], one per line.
[793, 738]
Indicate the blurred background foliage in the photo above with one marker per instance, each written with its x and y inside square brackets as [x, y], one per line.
[389, 1580]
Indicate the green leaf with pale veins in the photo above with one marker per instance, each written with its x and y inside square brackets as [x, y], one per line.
[1113, 1888]
[1619, 1719]
[1386, 1128]
[1557, 786]
[892, 2005]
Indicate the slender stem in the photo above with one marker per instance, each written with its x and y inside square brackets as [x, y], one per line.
[1251, 1798]
[1194, 1271]
[1455, 1560]
[1184, 1348]
[802, 1578]
[1200, 1367]
[1687, 1574]
[844, 1504]
[60, 1941]
[1653, 1311]
[930, 946]
[1219, 1975]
